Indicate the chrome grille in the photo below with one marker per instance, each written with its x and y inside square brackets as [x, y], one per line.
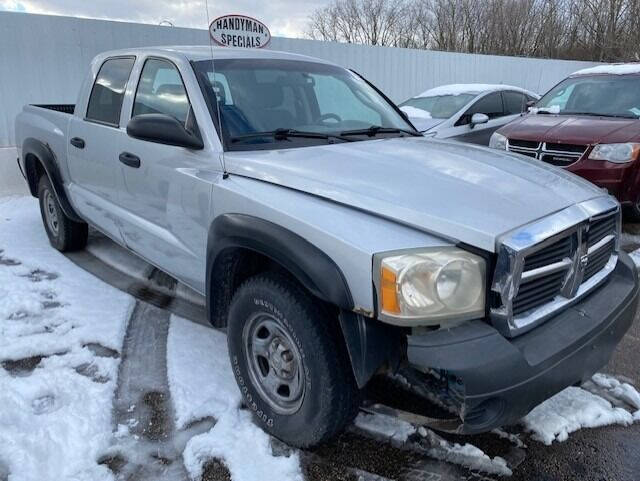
[558, 154]
[553, 262]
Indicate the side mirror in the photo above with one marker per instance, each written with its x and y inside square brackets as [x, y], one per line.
[162, 129]
[477, 119]
[530, 103]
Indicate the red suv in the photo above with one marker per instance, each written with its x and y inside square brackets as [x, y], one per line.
[589, 124]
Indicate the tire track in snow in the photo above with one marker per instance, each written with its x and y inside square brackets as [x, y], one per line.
[147, 440]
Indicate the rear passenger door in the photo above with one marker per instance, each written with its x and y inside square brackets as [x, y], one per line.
[166, 194]
[94, 133]
[491, 105]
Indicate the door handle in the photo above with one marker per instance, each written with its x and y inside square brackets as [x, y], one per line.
[130, 159]
[77, 142]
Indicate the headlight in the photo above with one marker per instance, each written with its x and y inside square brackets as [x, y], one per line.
[616, 153]
[498, 141]
[431, 286]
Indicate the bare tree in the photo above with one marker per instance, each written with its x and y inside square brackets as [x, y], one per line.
[606, 30]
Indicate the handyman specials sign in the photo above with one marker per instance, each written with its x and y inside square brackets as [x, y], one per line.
[239, 31]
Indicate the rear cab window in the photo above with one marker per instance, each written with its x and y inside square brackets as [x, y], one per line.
[107, 94]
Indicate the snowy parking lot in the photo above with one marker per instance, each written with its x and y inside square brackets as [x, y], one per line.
[109, 371]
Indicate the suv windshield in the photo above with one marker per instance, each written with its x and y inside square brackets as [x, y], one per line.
[440, 106]
[606, 95]
[290, 103]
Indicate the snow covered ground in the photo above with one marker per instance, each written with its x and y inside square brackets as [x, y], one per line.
[67, 328]
[62, 337]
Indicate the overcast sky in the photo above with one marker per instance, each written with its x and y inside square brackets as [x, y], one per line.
[286, 18]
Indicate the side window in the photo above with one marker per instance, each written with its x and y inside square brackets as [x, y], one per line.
[514, 103]
[105, 101]
[490, 105]
[161, 91]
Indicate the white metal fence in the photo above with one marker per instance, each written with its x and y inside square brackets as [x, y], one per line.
[43, 59]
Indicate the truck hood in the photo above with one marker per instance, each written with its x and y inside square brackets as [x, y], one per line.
[456, 191]
[569, 129]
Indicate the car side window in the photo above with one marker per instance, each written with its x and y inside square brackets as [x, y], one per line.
[490, 105]
[514, 103]
[105, 101]
[161, 91]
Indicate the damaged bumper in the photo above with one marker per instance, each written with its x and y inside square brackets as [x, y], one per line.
[498, 380]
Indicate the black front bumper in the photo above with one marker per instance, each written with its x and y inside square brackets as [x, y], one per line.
[499, 380]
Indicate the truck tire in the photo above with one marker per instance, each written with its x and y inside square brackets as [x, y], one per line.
[289, 362]
[64, 234]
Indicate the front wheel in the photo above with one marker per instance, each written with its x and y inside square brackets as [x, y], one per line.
[289, 361]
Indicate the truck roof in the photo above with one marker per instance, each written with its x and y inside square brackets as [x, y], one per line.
[204, 52]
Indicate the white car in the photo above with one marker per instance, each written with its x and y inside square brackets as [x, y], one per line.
[467, 112]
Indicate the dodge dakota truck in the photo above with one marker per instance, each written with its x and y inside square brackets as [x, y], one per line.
[331, 240]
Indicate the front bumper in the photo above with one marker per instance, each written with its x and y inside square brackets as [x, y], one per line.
[620, 180]
[499, 380]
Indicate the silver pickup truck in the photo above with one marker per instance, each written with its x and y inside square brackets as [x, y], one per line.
[330, 238]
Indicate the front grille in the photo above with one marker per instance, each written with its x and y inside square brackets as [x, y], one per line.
[556, 252]
[598, 260]
[558, 154]
[554, 270]
[537, 292]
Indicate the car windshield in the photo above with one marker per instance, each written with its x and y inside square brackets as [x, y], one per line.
[440, 106]
[269, 103]
[602, 95]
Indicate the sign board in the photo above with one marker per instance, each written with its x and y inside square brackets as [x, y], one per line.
[239, 31]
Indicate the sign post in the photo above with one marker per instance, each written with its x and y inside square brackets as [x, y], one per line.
[239, 31]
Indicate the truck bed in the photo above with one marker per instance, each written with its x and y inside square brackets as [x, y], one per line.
[64, 108]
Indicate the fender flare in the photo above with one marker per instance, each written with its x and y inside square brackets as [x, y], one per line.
[314, 269]
[34, 150]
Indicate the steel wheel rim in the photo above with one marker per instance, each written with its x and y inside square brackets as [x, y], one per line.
[50, 212]
[274, 363]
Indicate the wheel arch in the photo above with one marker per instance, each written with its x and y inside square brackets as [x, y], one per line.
[244, 243]
[39, 159]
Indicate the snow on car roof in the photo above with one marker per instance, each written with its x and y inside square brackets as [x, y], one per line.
[611, 69]
[458, 89]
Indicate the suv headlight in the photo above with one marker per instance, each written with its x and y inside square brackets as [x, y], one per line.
[616, 153]
[430, 286]
[498, 141]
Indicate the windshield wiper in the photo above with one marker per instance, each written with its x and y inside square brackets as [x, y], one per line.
[376, 129]
[284, 134]
[595, 114]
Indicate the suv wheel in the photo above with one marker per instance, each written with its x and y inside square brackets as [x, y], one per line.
[289, 362]
[634, 211]
[64, 234]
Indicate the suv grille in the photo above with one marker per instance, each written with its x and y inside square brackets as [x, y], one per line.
[554, 270]
[558, 154]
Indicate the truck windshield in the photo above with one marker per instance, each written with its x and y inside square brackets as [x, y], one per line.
[598, 95]
[439, 106]
[268, 103]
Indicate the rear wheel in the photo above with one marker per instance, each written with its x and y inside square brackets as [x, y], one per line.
[289, 361]
[64, 234]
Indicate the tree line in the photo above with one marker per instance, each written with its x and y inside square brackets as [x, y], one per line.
[597, 30]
